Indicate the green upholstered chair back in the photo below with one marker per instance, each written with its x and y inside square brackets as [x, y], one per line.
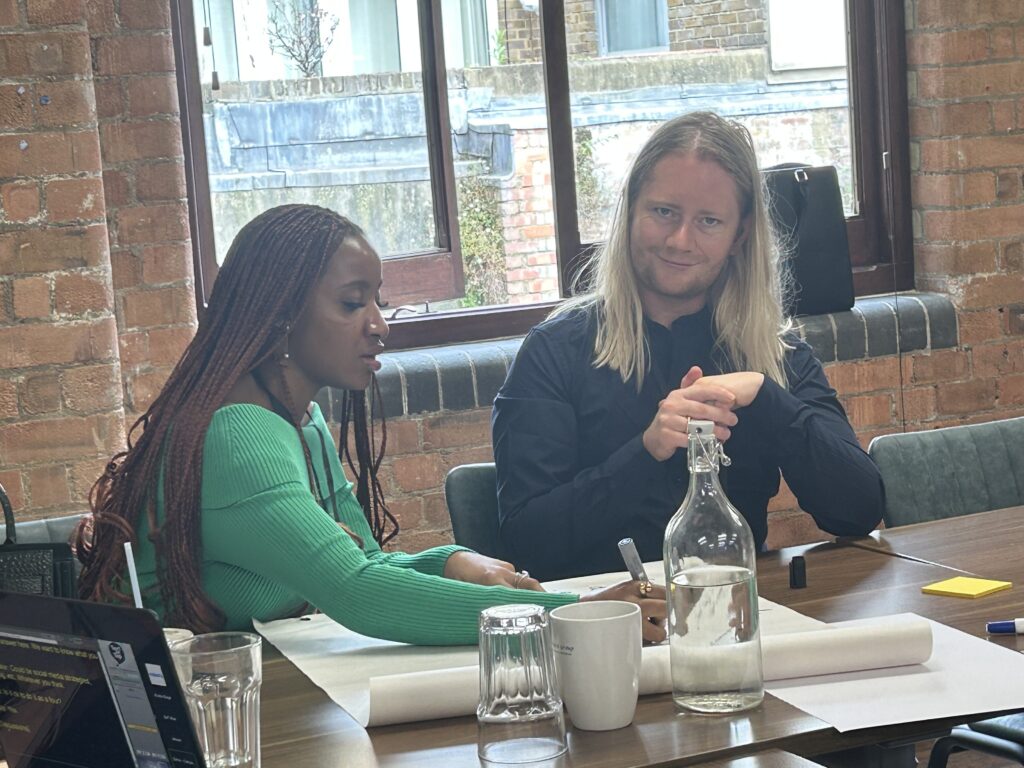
[952, 471]
[55, 530]
[471, 491]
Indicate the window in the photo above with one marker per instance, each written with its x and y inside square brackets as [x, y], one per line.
[481, 142]
[630, 26]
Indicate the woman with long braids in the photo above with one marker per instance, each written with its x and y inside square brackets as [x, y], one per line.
[231, 490]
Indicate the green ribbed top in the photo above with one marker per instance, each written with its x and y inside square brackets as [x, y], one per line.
[268, 547]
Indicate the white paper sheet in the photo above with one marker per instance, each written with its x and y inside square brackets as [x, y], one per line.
[965, 676]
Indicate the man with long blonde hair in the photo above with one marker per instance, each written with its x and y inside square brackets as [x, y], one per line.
[681, 317]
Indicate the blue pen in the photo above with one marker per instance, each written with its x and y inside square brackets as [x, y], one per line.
[1011, 627]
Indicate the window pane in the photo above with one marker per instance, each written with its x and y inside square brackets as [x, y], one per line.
[502, 163]
[293, 123]
[632, 25]
[795, 101]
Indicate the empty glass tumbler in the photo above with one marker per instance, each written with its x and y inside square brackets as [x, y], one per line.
[221, 673]
[520, 712]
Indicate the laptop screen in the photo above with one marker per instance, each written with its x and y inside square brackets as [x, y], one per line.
[86, 685]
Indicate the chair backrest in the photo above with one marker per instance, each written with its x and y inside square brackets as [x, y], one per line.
[54, 530]
[951, 471]
[471, 491]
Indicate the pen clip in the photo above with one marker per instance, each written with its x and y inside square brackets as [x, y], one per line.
[633, 562]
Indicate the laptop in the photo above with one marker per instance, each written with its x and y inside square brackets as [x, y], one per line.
[88, 685]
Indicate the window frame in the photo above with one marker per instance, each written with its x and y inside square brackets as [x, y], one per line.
[880, 234]
[601, 19]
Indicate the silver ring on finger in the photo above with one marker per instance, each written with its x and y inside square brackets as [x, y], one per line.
[520, 575]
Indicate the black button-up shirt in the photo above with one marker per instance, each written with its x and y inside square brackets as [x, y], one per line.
[574, 477]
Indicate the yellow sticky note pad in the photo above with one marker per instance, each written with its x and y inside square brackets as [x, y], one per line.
[965, 586]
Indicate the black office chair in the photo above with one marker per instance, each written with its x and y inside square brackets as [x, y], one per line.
[1000, 736]
[472, 494]
[949, 472]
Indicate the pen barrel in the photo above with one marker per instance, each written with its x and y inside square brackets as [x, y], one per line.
[1010, 627]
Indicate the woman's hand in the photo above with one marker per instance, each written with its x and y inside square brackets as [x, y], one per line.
[744, 385]
[480, 569]
[653, 606]
[698, 397]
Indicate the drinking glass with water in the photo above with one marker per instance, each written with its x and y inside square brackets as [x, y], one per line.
[221, 673]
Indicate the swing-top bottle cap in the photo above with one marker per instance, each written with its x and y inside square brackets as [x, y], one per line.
[700, 427]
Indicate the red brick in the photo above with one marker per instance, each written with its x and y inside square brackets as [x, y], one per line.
[15, 108]
[978, 327]
[160, 181]
[939, 367]
[408, 511]
[961, 119]
[168, 264]
[67, 103]
[463, 429]
[110, 99]
[143, 389]
[11, 480]
[145, 14]
[465, 456]
[135, 54]
[30, 155]
[152, 224]
[48, 486]
[20, 201]
[163, 306]
[100, 17]
[418, 473]
[993, 360]
[31, 297]
[869, 410]
[8, 399]
[1002, 42]
[435, 513]
[79, 294]
[153, 95]
[1011, 390]
[125, 269]
[417, 541]
[1003, 120]
[41, 394]
[966, 396]
[61, 438]
[9, 15]
[134, 348]
[124, 142]
[84, 475]
[115, 189]
[955, 258]
[75, 199]
[167, 345]
[25, 346]
[45, 53]
[403, 436]
[917, 404]
[880, 373]
[953, 47]
[92, 388]
[1007, 185]
[992, 291]
[973, 224]
[49, 250]
[53, 12]
[1012, 257]
[956, 13]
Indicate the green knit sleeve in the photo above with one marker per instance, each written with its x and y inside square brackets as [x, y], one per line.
[274, 528]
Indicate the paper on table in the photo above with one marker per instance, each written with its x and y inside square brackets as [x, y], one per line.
[965, 676]
[886, 642]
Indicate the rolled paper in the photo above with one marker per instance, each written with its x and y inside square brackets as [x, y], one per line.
[888, 642]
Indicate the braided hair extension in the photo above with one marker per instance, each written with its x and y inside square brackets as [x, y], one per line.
[362, 417]
[247, 319]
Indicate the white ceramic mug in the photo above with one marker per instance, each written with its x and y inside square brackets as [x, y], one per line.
[597, 655]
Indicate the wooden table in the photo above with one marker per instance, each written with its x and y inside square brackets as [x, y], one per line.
[845, 580]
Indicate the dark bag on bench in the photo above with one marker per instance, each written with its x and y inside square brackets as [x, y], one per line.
[806, 208]
[38, 569]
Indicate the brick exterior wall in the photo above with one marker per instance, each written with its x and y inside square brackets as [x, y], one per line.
[522, 32]
[695, 25]
[95, 282]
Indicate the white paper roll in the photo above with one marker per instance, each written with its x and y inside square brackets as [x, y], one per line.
[891, 641]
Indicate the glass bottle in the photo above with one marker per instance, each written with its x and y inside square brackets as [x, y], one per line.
[710, 568]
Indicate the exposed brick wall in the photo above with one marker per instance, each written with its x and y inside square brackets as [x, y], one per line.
[581, 29]
[522, 32]
[709, 24]
[91, 217]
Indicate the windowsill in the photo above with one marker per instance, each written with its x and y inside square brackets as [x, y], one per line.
[461, 377]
